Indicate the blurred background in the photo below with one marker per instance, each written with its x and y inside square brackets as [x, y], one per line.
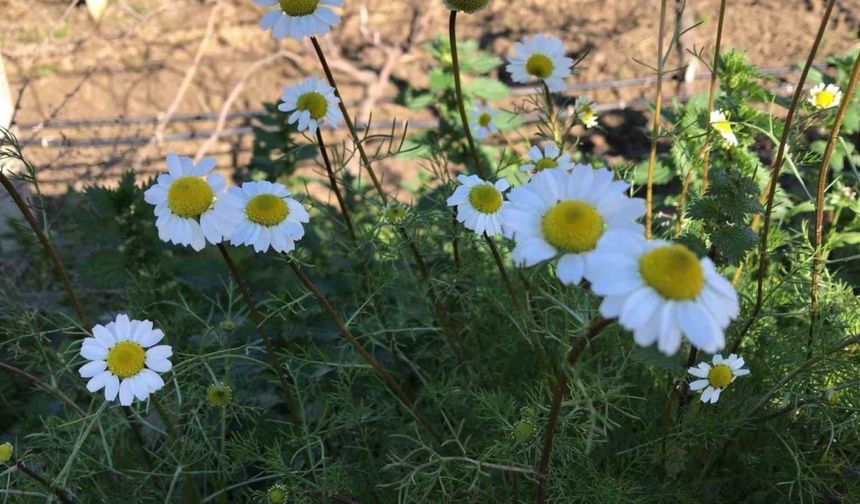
[97, 90]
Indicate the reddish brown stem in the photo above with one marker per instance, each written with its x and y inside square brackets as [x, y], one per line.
[822, 187]
[712, 93]
[278, 367]
[46, 244]
[367, 356]
[776, 168]
[555, 408]
[334, 186]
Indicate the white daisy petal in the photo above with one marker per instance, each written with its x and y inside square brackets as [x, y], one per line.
[125, 367]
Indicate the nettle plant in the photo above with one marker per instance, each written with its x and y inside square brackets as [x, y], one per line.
[529, 329]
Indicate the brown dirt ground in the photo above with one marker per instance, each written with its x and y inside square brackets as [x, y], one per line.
[65, 66]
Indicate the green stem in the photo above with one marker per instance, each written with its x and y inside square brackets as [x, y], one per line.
[822, 187]
[277, 366]
[46, 244]
[712, 93]
[190, 491]
[555, 408]
[655, 128]
[458, 87]
[334, 186]
[59, 493]
[367, 356]
[776, 168]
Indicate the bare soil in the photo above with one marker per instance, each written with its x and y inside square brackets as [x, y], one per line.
[131, 64]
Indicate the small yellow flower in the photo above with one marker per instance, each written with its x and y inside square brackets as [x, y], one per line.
[5, 453]
[825, 96]
[720, 123]
[585, 111]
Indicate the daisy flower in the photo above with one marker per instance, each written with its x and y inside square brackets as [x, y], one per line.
[270, 218]
[479, 204]
[585, 111]
[715, 378]
[541, 58]
[483, 121]
[660, 290]
[568, 214]
[313, 103]
[825, 96]
[188, 209]
[547, 159]
[721, 124]
[298, 19]
[468, 6]
[124, 359]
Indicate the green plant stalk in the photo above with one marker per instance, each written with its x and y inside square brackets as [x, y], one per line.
[461, 105]
[190, 491]
[267, 342]
[822, 187]
[550, 114]
[555, 408]
[655, 129]
[39, 383]
[458, 87]
[433, 298]
[367, 356]
[344, 210]
[46, 244]
[61, 494]
[712, 94]
[716, 455]
[776, 168]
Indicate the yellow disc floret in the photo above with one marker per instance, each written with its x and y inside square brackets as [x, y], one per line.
[485, 198]
[267, 210]
[5, 453]
[314, 103]
[189, 197]
[469, 6]
[540, 66]
[824, 99]
[545, 164]
[572, 227]
[126, 359]
[720, 376]
[673, 271]
[485, 120]
[723, 126]
[299, 7]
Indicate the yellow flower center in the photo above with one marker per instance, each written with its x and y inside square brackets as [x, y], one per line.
[572, 227]
[485, 198]
[314, 103]
[469, 6]
[189, 197]
[299, 7]
[126, 359]
[485, 119]
[720, 376]
[723, 126]
[824, 99]
[5, 452]
[673, 271]
[587, 114]
[540, 66]
[545, 164]
[267, 210]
